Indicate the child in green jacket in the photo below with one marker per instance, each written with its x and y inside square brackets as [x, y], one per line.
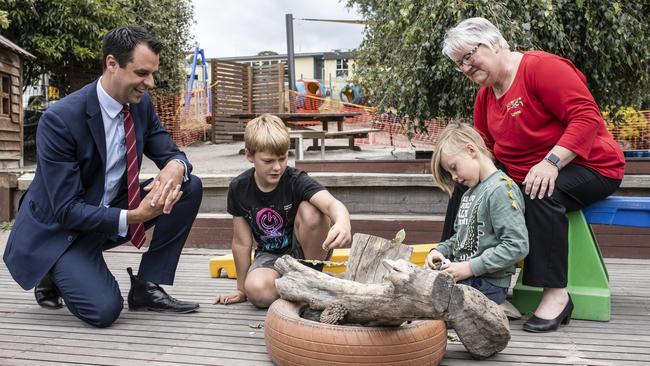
[491, 235]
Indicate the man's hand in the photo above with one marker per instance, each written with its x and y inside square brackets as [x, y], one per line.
[146, 210]
[231, 298]
[166, 187]
[338, 236]
[460, 270]
[540, 180]
[433, 257]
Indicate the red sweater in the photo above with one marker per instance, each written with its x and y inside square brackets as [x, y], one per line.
[547, 104]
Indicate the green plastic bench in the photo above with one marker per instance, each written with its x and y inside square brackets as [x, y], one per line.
[588, 280]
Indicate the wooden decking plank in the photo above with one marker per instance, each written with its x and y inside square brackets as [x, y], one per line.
[179, 353]
[19, 362]
[30, 335]
[193, 341]
[120, 343]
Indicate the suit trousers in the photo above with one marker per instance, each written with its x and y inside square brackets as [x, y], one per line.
[87, 286]
[548, 225]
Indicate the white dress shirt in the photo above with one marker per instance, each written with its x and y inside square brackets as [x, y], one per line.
[116, 151]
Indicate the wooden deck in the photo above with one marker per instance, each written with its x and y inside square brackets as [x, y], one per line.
[227, 335]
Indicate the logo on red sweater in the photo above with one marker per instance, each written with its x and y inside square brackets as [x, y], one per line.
[514, 106]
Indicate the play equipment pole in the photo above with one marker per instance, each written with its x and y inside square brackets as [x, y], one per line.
[290, 60]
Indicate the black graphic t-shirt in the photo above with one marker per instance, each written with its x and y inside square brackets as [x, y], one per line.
[271, 214]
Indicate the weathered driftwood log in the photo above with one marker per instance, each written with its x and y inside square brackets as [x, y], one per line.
[366, 255]
[396, 291]
[409, 293]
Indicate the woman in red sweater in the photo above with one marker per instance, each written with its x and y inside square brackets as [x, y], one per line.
[540, 121]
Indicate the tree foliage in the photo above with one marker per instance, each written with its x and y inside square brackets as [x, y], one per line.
[170, 22]
[401, 65]
[66, 35]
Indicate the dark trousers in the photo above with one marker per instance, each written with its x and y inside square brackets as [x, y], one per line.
[492, 292]
[89, 289]
[548, 226]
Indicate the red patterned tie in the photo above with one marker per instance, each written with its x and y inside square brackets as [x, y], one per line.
[133, 182]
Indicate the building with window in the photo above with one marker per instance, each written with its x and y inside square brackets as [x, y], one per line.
[11, 104]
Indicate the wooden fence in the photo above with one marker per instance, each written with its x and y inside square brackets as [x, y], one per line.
[241, 88]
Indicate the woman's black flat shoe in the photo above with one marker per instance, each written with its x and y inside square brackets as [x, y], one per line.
[539, 325]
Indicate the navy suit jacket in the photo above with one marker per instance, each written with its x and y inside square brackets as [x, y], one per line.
[63, 202]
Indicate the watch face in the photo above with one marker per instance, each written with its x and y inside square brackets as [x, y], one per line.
[553, 158]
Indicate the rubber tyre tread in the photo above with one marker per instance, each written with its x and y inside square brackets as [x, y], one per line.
[292, 340]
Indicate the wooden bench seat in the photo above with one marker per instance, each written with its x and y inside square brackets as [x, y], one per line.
[356, 133]
[235, 135]
[360, 133]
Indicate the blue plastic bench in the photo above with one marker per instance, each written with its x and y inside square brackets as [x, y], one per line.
[588, 280]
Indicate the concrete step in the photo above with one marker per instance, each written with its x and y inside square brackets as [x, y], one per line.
[380, 204]
[377, 193]
[212, 230]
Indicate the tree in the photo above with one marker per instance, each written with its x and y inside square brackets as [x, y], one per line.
[66, 35]
[401, 65]
[170, 22]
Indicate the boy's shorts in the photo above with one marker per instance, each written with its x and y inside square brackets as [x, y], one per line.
[492, 292]
[267, 259]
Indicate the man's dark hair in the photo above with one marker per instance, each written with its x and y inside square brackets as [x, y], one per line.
[120, 42]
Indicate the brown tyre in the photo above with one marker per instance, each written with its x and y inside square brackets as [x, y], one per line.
[292, 340]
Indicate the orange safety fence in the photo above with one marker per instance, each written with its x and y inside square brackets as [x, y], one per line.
[631, 131]
[185, 125]
[189, 125]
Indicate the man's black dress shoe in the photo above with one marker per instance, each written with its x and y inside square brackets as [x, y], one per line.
[539, 325]
[146, 295]
[47, 294]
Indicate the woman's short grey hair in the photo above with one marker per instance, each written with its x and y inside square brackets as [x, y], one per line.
[469, 33]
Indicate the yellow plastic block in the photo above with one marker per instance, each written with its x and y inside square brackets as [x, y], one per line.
[223, 263]
[338, 255]
[226, 262]
[420, 252]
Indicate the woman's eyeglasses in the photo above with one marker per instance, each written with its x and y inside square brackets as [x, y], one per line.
[466, 60]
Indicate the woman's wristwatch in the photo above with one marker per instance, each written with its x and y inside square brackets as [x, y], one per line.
[554, 160]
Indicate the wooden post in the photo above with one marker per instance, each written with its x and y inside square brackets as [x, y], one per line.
[249, 88]
[8, 181]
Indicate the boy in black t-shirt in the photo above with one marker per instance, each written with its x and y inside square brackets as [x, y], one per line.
[280, 208]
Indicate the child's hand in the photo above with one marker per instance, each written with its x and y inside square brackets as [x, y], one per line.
[460, 270]
[337, 237]
[231, 298]
[433, 258]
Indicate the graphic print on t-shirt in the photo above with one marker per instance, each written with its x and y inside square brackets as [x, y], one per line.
[468, 217]
[271, 225]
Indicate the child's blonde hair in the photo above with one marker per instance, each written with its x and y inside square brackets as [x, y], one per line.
[453, 140]
[266, 133]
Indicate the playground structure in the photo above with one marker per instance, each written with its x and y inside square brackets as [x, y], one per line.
[202, 93]
[307, 89]
[351, 93]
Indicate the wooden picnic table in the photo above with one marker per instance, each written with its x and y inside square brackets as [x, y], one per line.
[292, 120]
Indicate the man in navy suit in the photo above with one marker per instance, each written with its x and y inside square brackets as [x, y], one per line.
[76, 206]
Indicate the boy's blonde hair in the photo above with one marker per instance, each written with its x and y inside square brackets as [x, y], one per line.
[453, 140]
[266, 133]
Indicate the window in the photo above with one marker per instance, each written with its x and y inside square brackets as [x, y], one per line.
[5, 95]
[342, 68]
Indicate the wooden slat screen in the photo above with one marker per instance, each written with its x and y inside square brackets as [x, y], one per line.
[239, 87]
